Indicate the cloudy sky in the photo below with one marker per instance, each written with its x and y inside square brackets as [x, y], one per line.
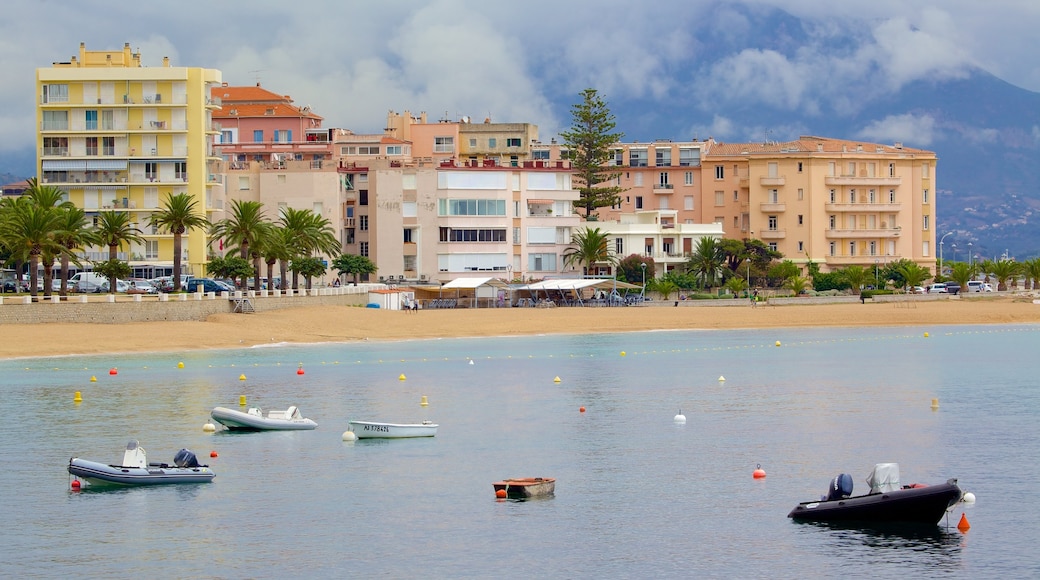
[352, 61]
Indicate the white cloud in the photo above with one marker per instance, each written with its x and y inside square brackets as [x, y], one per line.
[913, 130]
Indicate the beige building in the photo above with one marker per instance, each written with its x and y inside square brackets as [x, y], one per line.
[119, 136]
[656, 234]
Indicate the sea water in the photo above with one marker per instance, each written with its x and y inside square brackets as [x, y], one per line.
[637, 495]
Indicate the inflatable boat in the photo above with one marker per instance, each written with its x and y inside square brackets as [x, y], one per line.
[255, 420]
[887, 502]
[135, 469]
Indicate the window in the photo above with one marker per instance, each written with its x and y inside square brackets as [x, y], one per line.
[363, 249]
[736, 195]
[891, 169]
[924, 196]
[56, 146]
[774, 196]
[227, 137]
[513, 142]
[924, 222]
[443, 144]
[492, 143]
[688, 202]
[92, 146]
[540, 154]
[720, 172]
[852, 196]
[637, 158]
[363, 223]
[662, 180]
[108, 145]
[151, 249]
[852, 248]
[871, 197]
[801, 219]
[833, 221]
[55, 120]
[472, 143]
[90, 120]
[799, 171]
[773, 222]
[926, 170]
[689, 157]
[834, 196]
[619, 246]
[801, 194]
[662, 157]
[891, 196]
[368, 150]
[619, 157]
[834, 248]
[258, 136]
[283, 136]
[180, 169]
[872, 248]
[471, 235]
[772, 246]
[151, 171]
[243, 183]
[55, 93]
[393, 149]
[449, 207]
[720, 198]
[541, 262]
[801, 246]
[688, 178]
[639, 202]
[362, 197]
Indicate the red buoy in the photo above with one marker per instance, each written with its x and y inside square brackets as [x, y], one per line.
[500, 493]
[299, 371]
[963, 525]
[113, 371]
[581, 409]
[759, 473]
[212, 453]
[75, 484]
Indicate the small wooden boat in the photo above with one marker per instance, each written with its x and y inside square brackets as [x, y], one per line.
[135, 469]
[526, 487]
[255, 420]
[887, 502]
[374, 430]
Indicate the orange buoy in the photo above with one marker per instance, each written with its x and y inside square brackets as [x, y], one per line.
[581, 409]
[212, 453]
[963, 525]
[113, 371]
[500, 493]
[75, 484]
[299, 371]
[758, 473]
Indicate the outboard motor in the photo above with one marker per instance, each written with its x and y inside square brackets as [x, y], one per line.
[841, 487]
[185, 458]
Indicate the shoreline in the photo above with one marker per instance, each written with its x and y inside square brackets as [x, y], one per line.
[346, 324]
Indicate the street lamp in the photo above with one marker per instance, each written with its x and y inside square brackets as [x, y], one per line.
[877, 282]
[748, 260]
[642, 293]
[941, 251]
[970, 256]
[954, 248]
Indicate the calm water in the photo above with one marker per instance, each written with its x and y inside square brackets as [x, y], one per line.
[637, 495]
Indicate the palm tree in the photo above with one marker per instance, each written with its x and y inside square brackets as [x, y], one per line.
[74, 231]
[1031, 268]
[706, 261]
[28, 230]
[246, 226]
[178, 215]
[855, 276]
[115, 228]
[1002, 270]
[48, 198]
[912, 273]
[589, 246]
[311, 233]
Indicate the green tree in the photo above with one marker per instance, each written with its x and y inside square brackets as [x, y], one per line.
[784, 271]
[113, 269]
[233, 267]
[907, 273]
[855, 276]
[310, 234]
[588, 142]
[74, 231]
[115, 229]
[589, 246]
[1002, 270]
[1031, 268]
[28, 231]
[664, 287]
[630, 269]
[961, 272]
[796, 284]
[245, 225]
[706, 261]
[178, 214]
[50, 199]
[353, 265]
[309, 268]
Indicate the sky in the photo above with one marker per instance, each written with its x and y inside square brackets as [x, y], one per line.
[352, 61]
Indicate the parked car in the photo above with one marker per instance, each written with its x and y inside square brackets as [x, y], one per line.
[86, 287]
[208, 285]
[918, 290]
[952, 287]
[979, 286]
[939, 288]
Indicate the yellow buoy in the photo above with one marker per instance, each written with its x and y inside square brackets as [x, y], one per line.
[423, 401]
[556, 380]
[926, 335]
[402, 377]
[935, 403]
[180, 365]
[622, 353]
[93, 379]
[778, 343]
[241, 377]
[722, 379]
[242, 400]
[78, 398]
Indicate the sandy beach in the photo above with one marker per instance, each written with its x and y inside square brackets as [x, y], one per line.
[346, 324]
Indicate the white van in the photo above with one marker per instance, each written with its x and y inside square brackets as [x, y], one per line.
[87, 282]
[979, 286]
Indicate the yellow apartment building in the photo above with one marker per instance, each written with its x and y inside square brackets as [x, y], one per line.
[120, 136]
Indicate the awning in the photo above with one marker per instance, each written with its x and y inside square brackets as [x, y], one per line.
[541, 201]
[471, 283]
[63, 165]
[106, 165]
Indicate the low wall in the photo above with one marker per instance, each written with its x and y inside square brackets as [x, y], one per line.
[98, 309]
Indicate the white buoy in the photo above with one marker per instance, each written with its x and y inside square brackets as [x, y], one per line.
[470, 361]
[722, 379]
[968, 497]
[209, 427]
[349, 436]
[680, 418]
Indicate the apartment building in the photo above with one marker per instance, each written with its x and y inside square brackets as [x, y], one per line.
[120, 136]
[836, 202]
[656, 234]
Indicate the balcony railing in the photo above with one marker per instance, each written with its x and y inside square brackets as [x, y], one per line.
[774, 206]
[835, 233]
[862, 207]
[772, 234]
[861, 180]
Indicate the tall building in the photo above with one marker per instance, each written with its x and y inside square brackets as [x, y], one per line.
[120, 136]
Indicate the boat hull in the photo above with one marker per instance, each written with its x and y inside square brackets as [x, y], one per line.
[239, 421]
[155, 474]
[373, 430]
[917, 505]
[526, 487]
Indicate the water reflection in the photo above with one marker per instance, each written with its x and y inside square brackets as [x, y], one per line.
[890, 544]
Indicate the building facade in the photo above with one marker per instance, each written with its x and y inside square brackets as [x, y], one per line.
[119, 136]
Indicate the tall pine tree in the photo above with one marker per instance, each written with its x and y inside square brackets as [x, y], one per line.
[588, 147]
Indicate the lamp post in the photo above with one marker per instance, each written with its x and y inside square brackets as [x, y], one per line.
[954, 248]
[970, 257]
[941, 252]
[877, 282]
[748, 260]
[642, 293]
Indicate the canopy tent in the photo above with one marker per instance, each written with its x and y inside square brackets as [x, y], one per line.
[475, 285]
[575, 285]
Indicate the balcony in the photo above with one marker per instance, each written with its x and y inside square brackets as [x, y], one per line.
[772, 234]
[772, 181]
[862, 260]
[772, 207]
[862, 180]
[862, 207]
[874, 233]
[664, 188]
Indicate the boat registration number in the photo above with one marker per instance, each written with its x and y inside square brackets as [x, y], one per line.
[381, 428]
